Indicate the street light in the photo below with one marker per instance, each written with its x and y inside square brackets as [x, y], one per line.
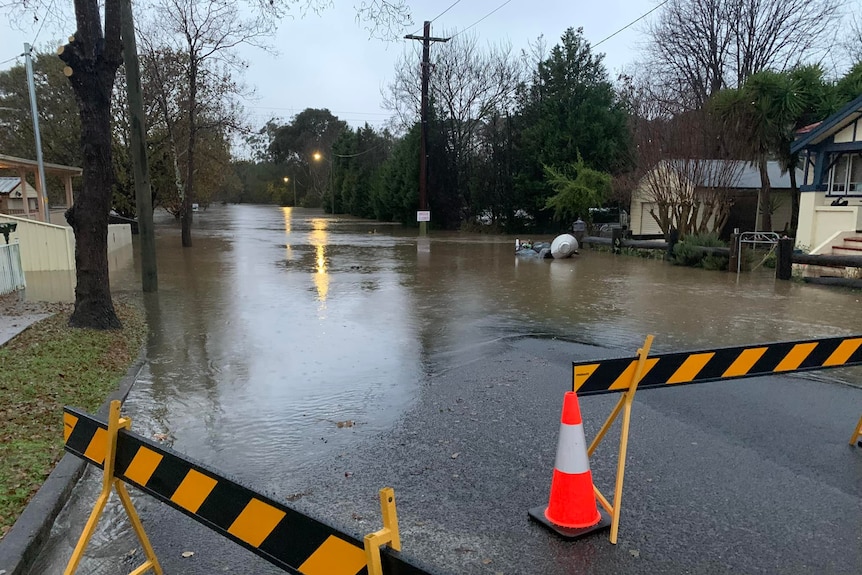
[317, 157]
[286, 180]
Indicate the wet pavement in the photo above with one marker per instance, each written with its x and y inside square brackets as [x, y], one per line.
[319, 359]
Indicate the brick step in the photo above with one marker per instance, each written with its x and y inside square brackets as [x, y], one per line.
[847, 250]
[825, 272]
[858, 239]
[824, 268]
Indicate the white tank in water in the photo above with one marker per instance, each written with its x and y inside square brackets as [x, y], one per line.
[563, 246]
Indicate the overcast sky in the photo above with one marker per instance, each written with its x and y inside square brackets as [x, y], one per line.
[329, 61]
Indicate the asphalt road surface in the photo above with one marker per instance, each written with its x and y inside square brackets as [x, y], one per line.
[746, 476]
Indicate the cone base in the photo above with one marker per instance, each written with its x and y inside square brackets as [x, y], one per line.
[538, 514]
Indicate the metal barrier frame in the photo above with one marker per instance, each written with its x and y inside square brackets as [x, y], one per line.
[288, 539]
[754, 238]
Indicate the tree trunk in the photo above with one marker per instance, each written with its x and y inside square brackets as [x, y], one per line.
[765, 195]
[88, 217]
[93, 61]
[186, 217]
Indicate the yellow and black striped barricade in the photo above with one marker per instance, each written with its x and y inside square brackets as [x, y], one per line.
[627, 375]
[614, 375]
[286, 538]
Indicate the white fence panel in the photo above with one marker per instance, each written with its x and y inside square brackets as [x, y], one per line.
[11, 274]
[44, 247]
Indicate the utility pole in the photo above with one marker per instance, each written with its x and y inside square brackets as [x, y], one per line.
[423, 134]
[140, 164]
[43, 185]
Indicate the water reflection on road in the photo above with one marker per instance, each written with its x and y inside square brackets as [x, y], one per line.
[284, 335]
[280, 323]
[272, 331]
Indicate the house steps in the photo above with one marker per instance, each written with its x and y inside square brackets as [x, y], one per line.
[850, 247]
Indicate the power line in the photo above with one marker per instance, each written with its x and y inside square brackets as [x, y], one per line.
[452, 5]
[630, 24]
[45, 17]
[485, 16]
[333, 111]
[377, 147]
[10, 59]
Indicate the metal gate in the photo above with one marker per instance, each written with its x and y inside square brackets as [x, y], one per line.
[754, 238]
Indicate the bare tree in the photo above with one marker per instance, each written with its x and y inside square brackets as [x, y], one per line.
[92, 57]
[852, 42]
[469, 84]
[198, 39]
[692, 194]
[698, 47]
[682, 172]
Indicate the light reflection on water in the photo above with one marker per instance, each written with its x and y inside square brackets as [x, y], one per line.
[269, 333]
[282, 322]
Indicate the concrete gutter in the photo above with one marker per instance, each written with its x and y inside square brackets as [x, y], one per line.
[21, 545]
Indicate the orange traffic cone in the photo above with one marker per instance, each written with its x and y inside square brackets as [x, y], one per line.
[572, 511]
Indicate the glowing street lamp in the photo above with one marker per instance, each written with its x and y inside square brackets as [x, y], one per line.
[286, 180]
[317, 157]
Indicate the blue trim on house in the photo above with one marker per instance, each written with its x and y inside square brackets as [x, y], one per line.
[830, 146]
[827, 125]
[827, 151]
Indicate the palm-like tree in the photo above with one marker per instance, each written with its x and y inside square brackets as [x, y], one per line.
[762, 116]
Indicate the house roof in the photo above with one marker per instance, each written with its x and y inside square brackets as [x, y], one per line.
[747, 176]
[849, 113]
[8, 185]
[10, 162]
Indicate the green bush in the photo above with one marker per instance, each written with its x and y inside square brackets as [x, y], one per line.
[686, 252]
[714, 262]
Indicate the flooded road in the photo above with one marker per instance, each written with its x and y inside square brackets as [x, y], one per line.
[285, 336]
[279, 324]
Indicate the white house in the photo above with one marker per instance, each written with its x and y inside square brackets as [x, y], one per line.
[830, 199]
[12, 197]
[705, 183]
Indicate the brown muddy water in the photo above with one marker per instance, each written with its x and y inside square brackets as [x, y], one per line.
[285, 335]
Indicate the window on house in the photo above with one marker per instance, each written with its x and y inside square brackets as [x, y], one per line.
[838, 176]
[854, 186]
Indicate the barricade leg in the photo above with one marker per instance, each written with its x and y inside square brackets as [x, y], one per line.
[624, 405]
[388, 535]
[115, 423]
[858, 433]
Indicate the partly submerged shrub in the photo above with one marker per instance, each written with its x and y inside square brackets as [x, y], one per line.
[686, 252]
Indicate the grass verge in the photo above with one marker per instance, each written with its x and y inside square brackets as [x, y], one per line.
[41, 370]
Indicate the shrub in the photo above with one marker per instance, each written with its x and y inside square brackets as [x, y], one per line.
[686, 253]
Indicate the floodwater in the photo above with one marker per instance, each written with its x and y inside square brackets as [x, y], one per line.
[285, 335]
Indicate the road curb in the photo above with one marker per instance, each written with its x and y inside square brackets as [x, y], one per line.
[21, 545]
